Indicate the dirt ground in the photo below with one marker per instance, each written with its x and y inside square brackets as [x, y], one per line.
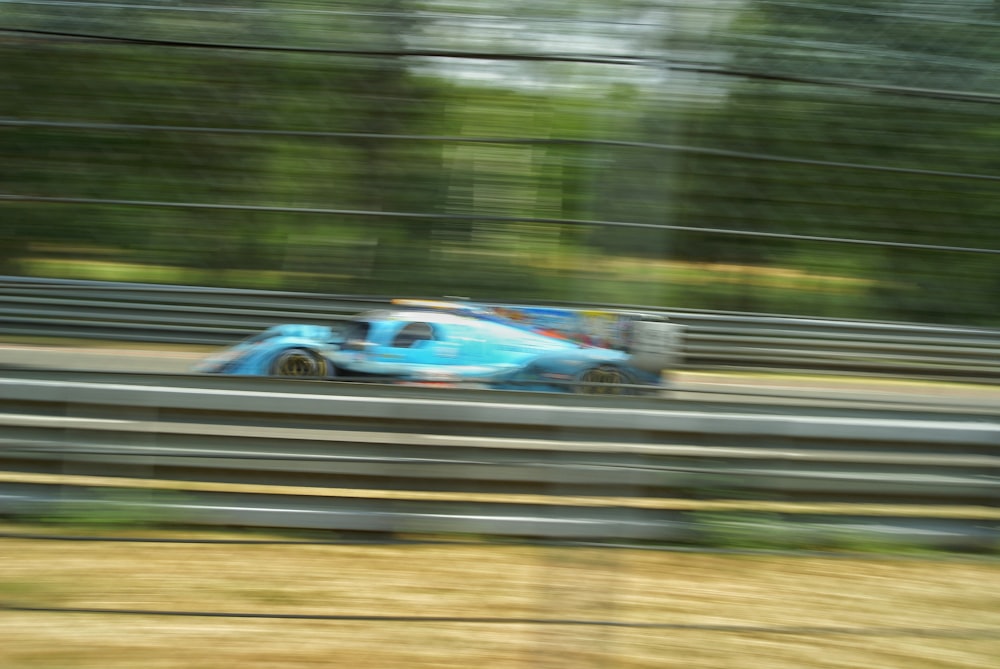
[531, 607]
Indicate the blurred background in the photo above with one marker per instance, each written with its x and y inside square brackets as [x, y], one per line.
[825, 158]
[813, 158]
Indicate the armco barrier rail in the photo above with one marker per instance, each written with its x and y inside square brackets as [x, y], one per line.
[160, 313]
[410, 460]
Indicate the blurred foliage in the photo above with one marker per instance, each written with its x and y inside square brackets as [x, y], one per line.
[323, 155]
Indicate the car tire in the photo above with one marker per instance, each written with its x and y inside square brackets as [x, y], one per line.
[602, 380]
[300, 363]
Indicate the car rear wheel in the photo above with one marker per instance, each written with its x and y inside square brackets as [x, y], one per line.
[300, 363]
[602, 380]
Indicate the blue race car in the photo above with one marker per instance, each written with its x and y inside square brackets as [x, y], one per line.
[457, 343]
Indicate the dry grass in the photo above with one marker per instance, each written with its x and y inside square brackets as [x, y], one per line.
[476, 581]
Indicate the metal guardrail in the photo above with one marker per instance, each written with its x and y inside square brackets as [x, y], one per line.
[713, 340]
[641, 470]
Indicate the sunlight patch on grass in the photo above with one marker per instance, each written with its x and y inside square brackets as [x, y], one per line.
[103, 270]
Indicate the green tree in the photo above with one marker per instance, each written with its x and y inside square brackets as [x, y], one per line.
[172, 84]
[853, 53]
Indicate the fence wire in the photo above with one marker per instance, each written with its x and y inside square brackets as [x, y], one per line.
[924, 632]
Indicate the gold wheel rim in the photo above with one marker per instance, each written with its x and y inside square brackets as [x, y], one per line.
[300, 365]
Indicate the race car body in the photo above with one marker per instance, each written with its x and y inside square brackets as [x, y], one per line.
[455, 343]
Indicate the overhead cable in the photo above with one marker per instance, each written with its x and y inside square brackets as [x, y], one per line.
[599, 59]
[531, 141]
[11, 197]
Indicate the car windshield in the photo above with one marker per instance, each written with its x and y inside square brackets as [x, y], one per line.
[357, 331]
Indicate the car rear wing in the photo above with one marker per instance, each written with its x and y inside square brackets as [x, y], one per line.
[656, 344]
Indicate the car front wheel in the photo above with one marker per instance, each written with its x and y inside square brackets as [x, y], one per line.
[300, 363]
